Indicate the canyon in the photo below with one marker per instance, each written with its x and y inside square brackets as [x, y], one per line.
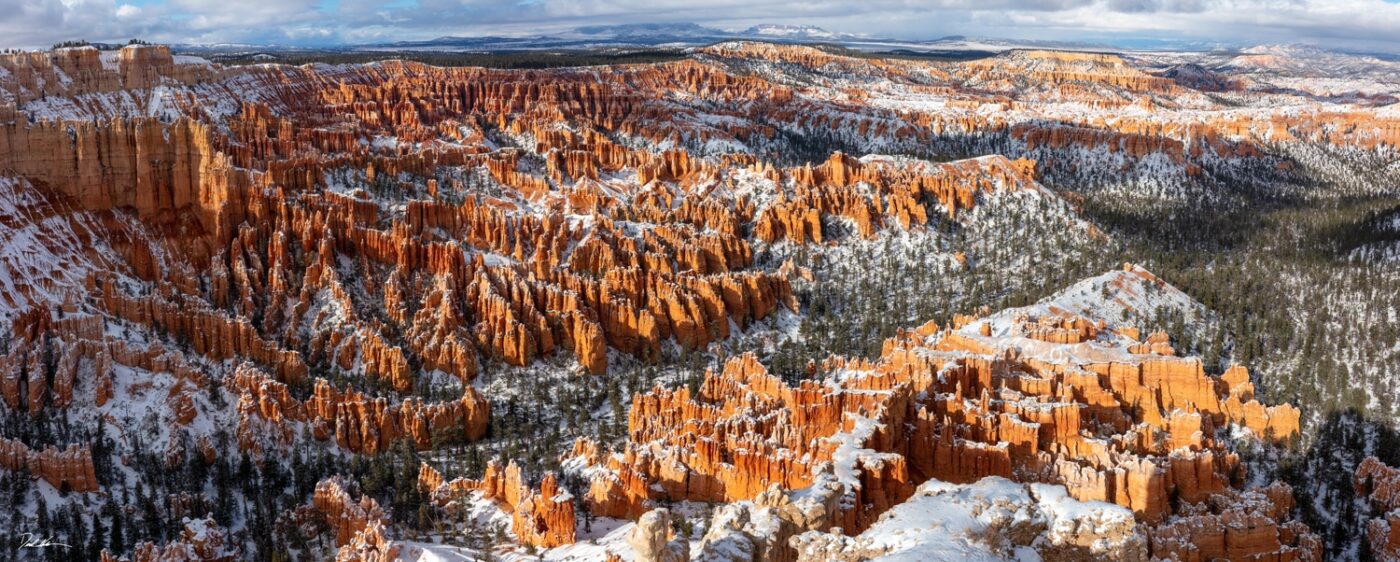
[359, 268]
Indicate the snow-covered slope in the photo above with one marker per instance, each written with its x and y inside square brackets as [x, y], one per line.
[991, 520]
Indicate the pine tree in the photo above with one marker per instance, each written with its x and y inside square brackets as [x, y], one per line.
[116, 539]
[97, 540]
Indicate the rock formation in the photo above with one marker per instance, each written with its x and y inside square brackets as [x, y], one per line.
[959, 405]
[542, 516]
[359, 424]
[201, 540]
[1379, 485]
[651, 540]
[260, 231]
[65, 469]
[346, 517]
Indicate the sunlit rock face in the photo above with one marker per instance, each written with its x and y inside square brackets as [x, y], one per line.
[1040, 394]
[301, 251]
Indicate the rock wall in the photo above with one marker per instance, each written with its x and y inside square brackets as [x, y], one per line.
[65, 469]
[75, 71]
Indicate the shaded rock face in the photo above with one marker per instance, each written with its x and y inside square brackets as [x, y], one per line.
[1379, 486]
[1113, 423]
[1196, 77]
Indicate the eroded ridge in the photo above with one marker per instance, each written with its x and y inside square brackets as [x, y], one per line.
[1018, 395]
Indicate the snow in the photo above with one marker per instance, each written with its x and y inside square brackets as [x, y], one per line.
[940, 522]
[1110, 298]
[988, 520]
[410, 551]
[111, 60]
[1055, 500]
[44, 256]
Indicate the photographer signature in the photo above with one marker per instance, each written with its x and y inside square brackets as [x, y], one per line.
[33, 541]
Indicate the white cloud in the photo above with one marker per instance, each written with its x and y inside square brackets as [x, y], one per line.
[1328, 22]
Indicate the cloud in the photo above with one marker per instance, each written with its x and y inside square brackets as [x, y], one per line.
[33, 23]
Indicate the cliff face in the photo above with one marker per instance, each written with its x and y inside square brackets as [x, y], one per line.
[1379, 485]
[75, 71]
[1068, 70]
[1116, 424]
[159, 170]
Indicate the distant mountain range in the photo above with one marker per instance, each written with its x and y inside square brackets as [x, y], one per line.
[690, 34]
[683, 35]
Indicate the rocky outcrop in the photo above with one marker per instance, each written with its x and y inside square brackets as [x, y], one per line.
[357, 527]
[1379, 485]
[65, 469]
[369, 545]
[1077, 409]
[207, 333]
[31, 75]
[268, 416]
[651, 540]
[1238, 526]
[542, 516]
[201, 540]
[345, 516]
[901, 194]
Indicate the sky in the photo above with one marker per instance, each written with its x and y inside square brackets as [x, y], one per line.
[1350, 24]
